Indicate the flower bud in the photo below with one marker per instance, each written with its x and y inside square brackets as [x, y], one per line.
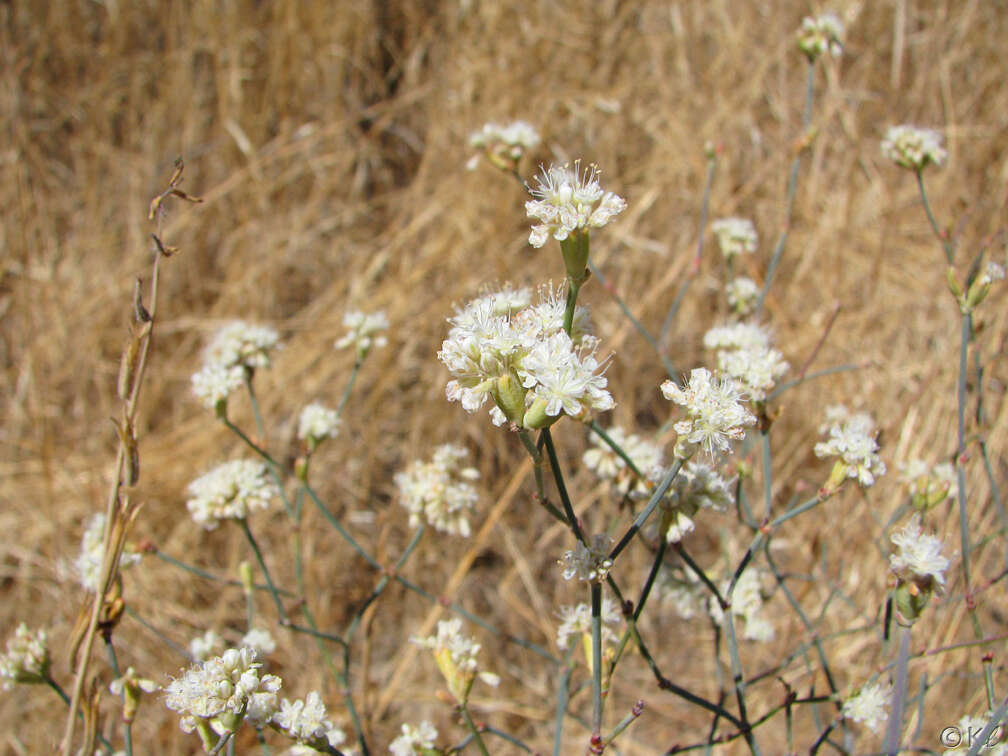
[509, 395]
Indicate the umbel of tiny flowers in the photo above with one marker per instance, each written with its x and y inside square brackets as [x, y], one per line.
[131, 687]
[929, 487]
[415, 740]
[869, 705]
[714, 410]
[852, 439]
[214, 697]
[317, 423]
[307, 722]
[521, 356]
[747, 603]
[26, 659]
[439, 491]
[89, 560]
[745, 355]
[608, 465]
[696, 487]
[919, 568]
[589, 563]
[821, 35]
[742, 295]
[231, 491]
[230, 358]
[913, 147]
[362, 335]
[568, 203]
[735, 236]
[504, 144]
[455, 655]
[576, 621]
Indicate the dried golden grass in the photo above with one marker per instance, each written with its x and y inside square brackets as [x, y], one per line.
[329, 142]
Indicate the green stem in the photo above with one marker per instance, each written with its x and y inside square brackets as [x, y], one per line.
[791, 190]
[561, 487]
[572, 294]
[656, 497]
[464, 710]
[199, 572]
[596, 634]
[964, 338]
[941, 236]
[339, 528]
[262, 564]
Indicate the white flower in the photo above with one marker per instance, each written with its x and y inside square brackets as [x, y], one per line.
[569, 200]
[993, 272]
[260, 640]
[737, 336]
[755, 370]
[202, 646]
[735, 236]
[820, 35]
[870, 706]
[222, 691]
[455, 655]
[747, 603]
[913, 147]
[929, 487]
[576, 620]
[853, 440]
[241, 344]
[438, 491]
[968, 729]
[742, 294]
[505, 142]
[518, 355]
[684, 592]
[414, 739]
[230, 491]
[26, 659]
[608, 465]
[715, 413]
[590, 564]
[918, 557]
[318, 422]
[88, 562]
[695, 487]
[307, 721]
[363, 328]
[214, 383]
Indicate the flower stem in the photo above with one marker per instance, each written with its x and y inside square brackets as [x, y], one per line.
[464, 710]
[596, 633]
[941, 236]
[259, 557]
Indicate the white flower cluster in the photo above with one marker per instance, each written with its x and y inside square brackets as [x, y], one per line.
[569, 201]
[306, 721]
[745, 355]
[236, 348]
[203, 646]
[88, 562]
[714, 413]
[968, 728]
[913, 147]
[364, 328]
[455, 655]
[230, 491]
[929, 486]
[414, 740]
[501, 346]
[318, 422]
[735, 236]
[608, 465]
[259, 640]
[438, 491]
[588, 563]
[746, 602]
[576, 620]
[26, 659]
[505, 141]
[870, 705]
[683, 591]
[223, 691]
[695, 487]
[742, 294]
[852, 438]
[821, 35]
[993, 273]
[918, 557]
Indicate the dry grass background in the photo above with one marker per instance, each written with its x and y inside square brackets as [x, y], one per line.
[329, 140]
